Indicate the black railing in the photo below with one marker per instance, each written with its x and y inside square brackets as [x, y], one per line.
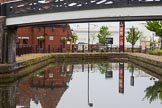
[26, 49]
[29, 7]
[23, 49]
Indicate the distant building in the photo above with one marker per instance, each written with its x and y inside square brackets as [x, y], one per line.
[45, 38]
[82, 32]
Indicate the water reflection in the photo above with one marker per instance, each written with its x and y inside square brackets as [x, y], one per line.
[121, 77]
[8, 95]
[154, 92]
[72, 86]
[131, 69]
[89, 103]
[42, 90]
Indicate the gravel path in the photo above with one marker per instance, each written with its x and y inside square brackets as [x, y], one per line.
[148, 56]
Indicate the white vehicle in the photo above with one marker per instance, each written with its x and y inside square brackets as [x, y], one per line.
[82, 45]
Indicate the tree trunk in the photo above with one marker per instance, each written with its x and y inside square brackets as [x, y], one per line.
[161, 42]
[132, 48]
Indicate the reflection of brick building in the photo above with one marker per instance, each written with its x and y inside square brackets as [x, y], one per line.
[45, 88]
[45, 38]
[1, 1]
[53, 77]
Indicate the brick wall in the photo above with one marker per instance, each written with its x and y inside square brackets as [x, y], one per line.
[52, 36]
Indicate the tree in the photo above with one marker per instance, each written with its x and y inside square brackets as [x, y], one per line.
[155, 26]
[103, 33]
[75, 37]
[132, 37]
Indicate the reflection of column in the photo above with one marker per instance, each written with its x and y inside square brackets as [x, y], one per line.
[90, 104]
[121, 77]
[132, 80]
[82, 67]
[7, 96]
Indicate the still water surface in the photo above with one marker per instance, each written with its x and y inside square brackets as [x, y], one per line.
[105, 85]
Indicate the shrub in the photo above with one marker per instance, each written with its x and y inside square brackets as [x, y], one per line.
[155, 52]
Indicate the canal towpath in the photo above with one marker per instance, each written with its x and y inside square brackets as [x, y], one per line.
[27, 57]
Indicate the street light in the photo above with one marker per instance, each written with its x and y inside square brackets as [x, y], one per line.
[88, 35]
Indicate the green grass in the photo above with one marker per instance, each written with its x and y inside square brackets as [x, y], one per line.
[155, 52]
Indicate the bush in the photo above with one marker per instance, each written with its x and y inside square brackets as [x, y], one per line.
[155, 52]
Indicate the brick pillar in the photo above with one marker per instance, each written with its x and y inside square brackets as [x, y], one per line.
[7, 42]
[2, 27]
[11, 44]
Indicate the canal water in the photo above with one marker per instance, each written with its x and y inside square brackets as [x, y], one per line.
[104, 85]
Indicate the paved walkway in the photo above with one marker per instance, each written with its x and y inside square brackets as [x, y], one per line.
[26, 57]
[148, 56]
[32, 56]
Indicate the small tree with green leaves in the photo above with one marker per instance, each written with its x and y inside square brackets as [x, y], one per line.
[155, 26]
[75, 37]
[103, 33]
[132, 37]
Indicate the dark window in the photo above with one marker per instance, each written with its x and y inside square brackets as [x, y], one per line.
[39, 29]
[25, 41]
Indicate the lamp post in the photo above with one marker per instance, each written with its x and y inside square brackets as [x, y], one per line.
[91, 37]
[88, 36]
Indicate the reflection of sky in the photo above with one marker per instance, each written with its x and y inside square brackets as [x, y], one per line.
[104, 93]
[34, 105]
[99, 24]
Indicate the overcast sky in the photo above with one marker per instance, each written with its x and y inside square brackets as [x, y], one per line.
[99, 24]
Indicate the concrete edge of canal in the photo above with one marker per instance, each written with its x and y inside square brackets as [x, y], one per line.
[11, 72]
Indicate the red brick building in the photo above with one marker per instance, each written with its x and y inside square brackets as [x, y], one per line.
[48, 38]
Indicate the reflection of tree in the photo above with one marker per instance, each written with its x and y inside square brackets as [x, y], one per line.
[154, 92]
[131, 69]
[103, 68]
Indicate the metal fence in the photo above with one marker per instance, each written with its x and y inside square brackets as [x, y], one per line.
[23, 49]
[26, 49]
